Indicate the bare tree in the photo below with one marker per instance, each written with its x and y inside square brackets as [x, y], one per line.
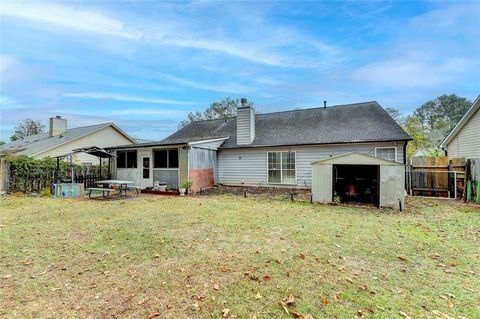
[395, 114]
[217, 110]
[26, 128]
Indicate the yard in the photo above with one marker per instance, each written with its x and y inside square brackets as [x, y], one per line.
[228, 256]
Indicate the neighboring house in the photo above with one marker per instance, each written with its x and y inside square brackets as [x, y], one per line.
[59, 140]
[431, 151]
[272, 149]
[464, 139]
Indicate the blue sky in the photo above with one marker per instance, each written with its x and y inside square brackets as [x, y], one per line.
[144, 64]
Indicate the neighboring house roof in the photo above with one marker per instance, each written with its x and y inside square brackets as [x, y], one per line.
[39, 143]
[471, 111]
[424, 152]
[360, 122]
[143, 140]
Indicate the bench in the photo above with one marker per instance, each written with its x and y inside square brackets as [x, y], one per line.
[98, 189]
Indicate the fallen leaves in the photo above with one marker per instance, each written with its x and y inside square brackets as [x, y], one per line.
[325, 301]
[441, 315]
[154, 315]
[225, 312]
[404, 315]
[298, 315]
[287, 303]
[290, 300]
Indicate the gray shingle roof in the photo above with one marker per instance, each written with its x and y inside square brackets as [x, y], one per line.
[360, 122]
[38, 143]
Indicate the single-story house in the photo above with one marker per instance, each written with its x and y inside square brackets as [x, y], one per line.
[272, 149]
[60, 140]
[464, 139]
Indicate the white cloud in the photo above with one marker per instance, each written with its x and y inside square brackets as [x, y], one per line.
[225, 87]
[7, 62]
[68, 17]
[411, 72]
[136, 111]
[126, 98]
[7, 102]
[242, 52]
[173, 33]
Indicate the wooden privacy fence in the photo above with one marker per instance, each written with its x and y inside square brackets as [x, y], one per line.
[436, 176]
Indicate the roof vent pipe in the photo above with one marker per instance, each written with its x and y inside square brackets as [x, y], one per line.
[244, 102]
[324, 104]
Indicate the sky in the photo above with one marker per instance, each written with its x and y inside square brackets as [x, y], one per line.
[146, 64]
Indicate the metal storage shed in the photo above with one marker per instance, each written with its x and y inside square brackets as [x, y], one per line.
[359, 177]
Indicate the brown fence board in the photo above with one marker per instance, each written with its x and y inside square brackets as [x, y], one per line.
[434, 176]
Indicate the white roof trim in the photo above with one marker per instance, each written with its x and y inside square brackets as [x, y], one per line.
[208, 141]
[99, 129]
[475, 106]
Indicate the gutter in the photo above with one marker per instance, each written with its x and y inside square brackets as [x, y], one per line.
[315, 144]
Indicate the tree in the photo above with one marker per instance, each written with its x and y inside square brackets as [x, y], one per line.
[413, 126]
[395, 114]
[2, 142]
[439, 116]
[27, 127]
[217, 110]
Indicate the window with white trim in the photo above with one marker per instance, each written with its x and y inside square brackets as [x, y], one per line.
[386, 153]
[281, 167]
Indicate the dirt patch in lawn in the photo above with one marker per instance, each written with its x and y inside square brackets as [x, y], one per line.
[78, 236]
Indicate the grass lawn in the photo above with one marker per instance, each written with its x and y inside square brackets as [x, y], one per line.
[227, 256]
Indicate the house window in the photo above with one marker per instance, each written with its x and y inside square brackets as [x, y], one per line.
[165, 158]
[126, 159]
[281, 167]
[386, 153]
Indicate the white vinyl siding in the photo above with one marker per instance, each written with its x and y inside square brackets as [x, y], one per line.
[467, 141]
[248, 166]
[245, 125]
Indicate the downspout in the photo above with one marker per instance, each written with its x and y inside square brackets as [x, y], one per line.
[405, 164]
[188, 162]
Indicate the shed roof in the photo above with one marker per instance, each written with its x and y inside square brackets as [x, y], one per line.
[360, 122]
[356, 158]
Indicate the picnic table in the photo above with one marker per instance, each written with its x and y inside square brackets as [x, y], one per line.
[122, 186]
